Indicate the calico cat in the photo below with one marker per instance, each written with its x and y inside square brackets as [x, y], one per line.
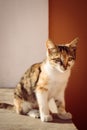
[46, 80]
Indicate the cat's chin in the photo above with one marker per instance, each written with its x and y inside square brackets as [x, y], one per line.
[62, 70]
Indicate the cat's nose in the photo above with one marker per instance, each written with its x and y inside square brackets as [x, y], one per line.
[65, 67]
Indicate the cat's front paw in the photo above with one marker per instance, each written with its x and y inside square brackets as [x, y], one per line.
[46, 118]
[65, 116]
[34, 113]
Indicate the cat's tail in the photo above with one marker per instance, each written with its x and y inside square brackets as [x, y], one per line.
[6, 106]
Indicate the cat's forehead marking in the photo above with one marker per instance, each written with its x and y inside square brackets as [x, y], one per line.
[64, 48]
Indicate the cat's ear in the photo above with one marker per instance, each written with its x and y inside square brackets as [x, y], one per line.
[74, 42]
[50, 46]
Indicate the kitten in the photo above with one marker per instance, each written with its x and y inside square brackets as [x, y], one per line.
[46, 80]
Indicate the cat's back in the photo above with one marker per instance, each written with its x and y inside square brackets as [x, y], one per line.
[28, 81]
[31, 75]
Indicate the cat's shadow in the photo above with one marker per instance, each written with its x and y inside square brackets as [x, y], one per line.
[56, 119]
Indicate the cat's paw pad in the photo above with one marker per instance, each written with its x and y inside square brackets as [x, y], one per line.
[46, 118]
[34, 113]
[65, 116]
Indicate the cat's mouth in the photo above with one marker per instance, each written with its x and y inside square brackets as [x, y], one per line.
[63, 68]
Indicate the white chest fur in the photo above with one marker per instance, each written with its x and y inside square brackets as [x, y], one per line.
[56, 80]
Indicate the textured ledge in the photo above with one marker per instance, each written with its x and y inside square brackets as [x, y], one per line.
[9, 120]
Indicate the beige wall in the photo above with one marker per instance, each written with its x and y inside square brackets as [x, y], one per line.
[23, 32]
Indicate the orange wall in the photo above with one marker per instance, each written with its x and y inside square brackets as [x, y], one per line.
[67, 20]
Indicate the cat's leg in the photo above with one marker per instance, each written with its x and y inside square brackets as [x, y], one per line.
[22, 107]
[60, 102]
[42, 98]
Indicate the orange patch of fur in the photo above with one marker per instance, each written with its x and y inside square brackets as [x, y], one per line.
[61, 109]
[17, 103]
[42, 89]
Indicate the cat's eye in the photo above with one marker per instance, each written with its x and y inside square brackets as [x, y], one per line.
[70, 59]
[56, 60]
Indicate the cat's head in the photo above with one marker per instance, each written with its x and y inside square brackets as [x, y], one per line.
[63, 56]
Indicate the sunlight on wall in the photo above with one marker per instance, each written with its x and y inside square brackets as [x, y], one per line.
[23, 33]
